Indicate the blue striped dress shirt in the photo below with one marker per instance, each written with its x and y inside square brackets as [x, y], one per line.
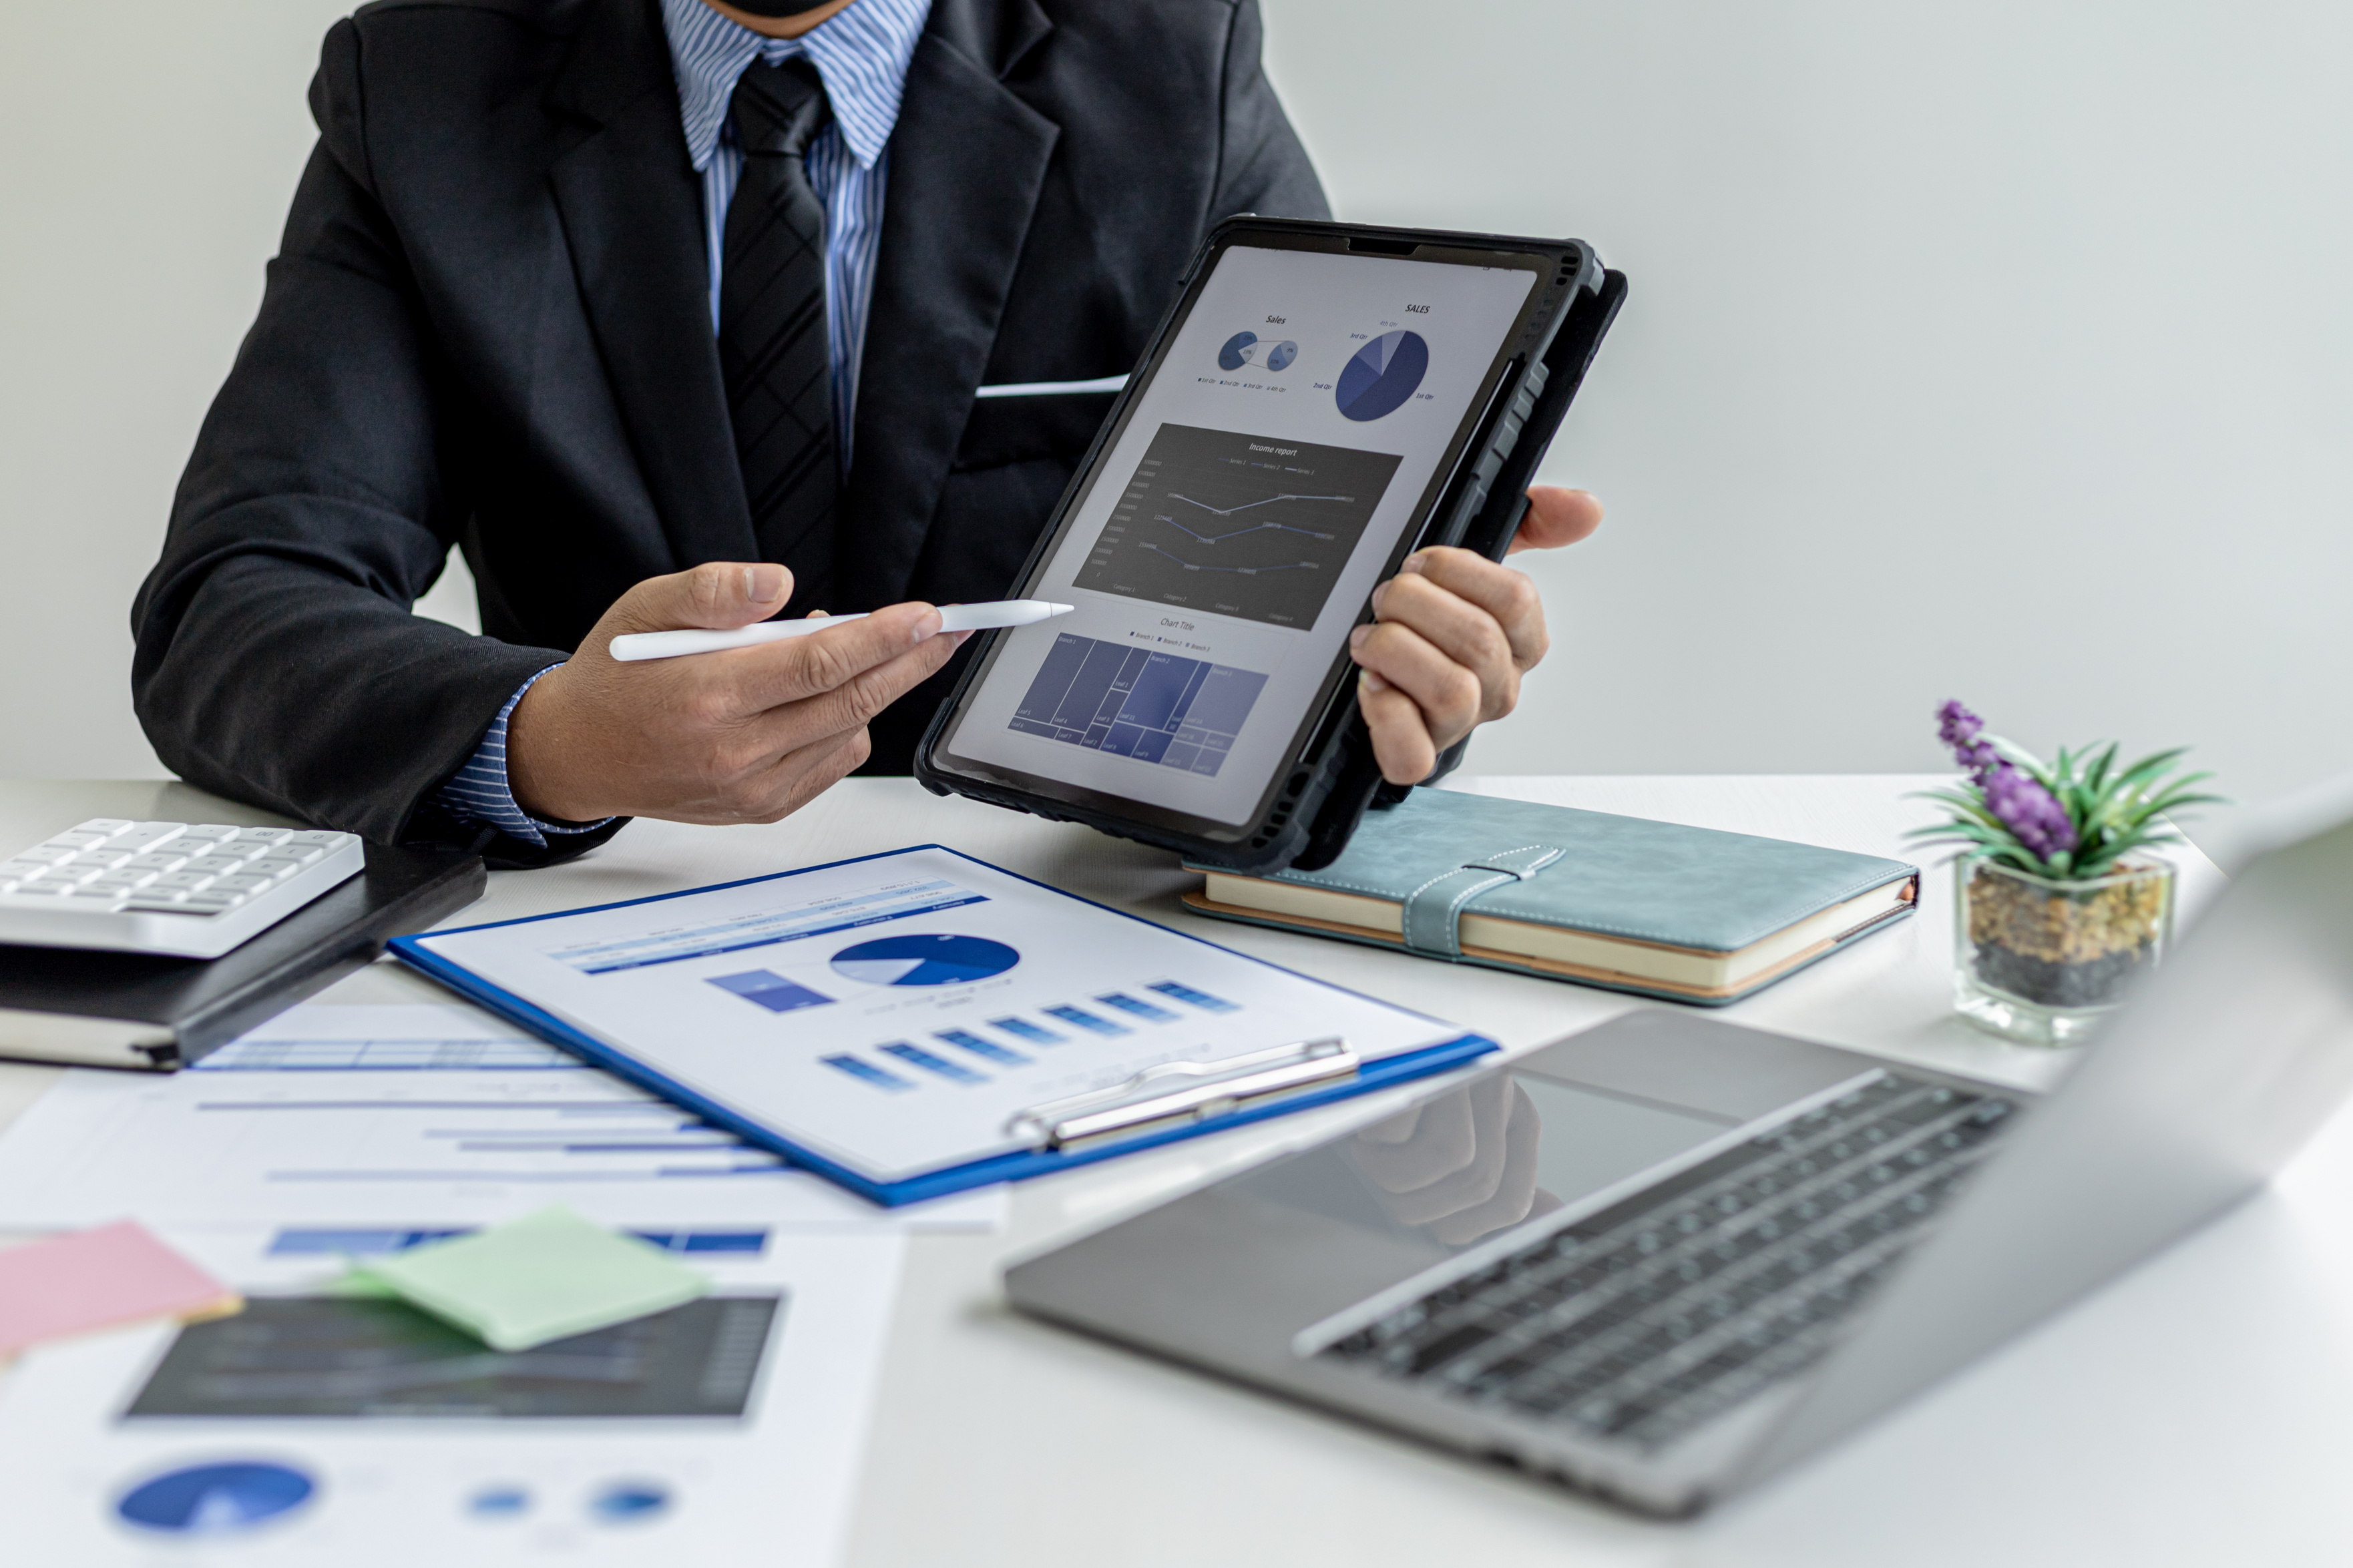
[861, 54]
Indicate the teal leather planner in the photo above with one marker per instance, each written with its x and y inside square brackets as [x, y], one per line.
[1689, 914]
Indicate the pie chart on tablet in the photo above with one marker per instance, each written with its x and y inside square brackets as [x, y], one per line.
[1382, 375]
[933, 959]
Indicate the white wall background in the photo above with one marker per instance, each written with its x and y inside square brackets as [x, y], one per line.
[2000, 351]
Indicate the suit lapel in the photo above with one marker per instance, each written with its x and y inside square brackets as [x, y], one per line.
[632, 216]
[967, 160]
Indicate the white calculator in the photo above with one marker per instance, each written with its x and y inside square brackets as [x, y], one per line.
[194, 889]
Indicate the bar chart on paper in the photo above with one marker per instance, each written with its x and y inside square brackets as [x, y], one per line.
[1014, 1042]
[885, 1057]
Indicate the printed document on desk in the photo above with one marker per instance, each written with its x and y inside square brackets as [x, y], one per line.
[416, 1118]
[318, 1427]
[888, 1020]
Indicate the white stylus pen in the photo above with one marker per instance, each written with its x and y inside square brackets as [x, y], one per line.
[953, 618]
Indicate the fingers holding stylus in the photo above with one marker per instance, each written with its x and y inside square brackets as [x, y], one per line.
[843, 666]
[744, 735]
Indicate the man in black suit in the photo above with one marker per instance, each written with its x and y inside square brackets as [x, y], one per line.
[500, 320]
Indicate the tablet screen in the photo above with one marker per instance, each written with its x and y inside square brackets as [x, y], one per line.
[1295, 426]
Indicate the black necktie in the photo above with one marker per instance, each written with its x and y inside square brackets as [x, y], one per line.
[773, 343]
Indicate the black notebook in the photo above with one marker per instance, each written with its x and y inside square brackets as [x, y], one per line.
[143, 1010]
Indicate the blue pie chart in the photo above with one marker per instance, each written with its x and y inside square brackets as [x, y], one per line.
[1382, 375]
[215, 1500]
[1236, 353]
[937, 959]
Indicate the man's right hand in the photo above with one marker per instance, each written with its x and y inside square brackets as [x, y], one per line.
[744, 736]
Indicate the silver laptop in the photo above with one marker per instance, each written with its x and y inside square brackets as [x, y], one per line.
[1667, 1257]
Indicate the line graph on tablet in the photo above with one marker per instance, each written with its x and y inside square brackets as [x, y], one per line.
[1238, 524]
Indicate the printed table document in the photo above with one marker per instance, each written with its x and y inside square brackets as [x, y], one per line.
[415, 1117]
[894, 1015]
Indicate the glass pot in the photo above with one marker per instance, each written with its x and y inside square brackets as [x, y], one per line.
[2042, 960]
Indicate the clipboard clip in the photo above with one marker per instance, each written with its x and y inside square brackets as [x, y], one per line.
[1184, 1091]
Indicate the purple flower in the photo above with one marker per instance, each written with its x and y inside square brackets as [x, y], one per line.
[2031, 813]
[1959, 728]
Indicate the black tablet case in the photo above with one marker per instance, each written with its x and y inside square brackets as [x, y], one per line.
[1335, 776]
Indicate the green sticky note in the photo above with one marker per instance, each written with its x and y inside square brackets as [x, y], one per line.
[544, 1277]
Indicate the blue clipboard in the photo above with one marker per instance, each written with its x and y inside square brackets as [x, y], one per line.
[1374, 1075]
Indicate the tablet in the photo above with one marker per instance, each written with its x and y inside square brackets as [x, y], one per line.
[1320, 400]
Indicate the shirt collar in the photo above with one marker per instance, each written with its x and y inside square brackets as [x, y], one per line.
[861, 53]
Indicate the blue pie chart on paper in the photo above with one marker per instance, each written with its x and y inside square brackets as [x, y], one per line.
[1236, 353]
[938, 959]
[215, 1500]
[1382, 375]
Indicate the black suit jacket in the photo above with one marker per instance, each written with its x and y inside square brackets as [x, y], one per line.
[489, 324]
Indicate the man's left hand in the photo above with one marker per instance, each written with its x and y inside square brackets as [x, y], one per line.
[1452, 634]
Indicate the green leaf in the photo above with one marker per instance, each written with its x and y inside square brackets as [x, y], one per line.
[2149, 768]
[2097, 777]
[2026, 762]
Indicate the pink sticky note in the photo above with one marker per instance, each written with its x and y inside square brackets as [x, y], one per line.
[96, 1278]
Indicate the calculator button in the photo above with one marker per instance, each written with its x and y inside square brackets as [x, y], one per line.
[265, 835]
[317, 839]
[208, 830]
[46, 890]
[74, 840]
[159, 861]
[96, 895]
[238, 884]
[297, 854]
[104, 826]
[211, 903]
[272, 866]
[144, 835]
[22, 870]
[46, 853]
[157, 899]
[74, 871]
[186, 881]
[105, 860]
[123, 881]
[217, 865]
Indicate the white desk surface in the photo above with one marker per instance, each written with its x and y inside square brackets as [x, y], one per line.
[2198, 1412]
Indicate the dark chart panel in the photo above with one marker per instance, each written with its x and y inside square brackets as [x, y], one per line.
[1238, 525]
[363, 1357]
[1181, 714]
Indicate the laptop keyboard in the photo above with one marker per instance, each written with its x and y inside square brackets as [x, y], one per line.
[1643, 1321]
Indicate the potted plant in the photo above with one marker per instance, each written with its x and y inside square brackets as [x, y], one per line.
[2059, 903]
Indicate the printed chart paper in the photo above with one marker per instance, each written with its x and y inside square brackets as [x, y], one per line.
[896, 1013]
[314, 1429]
[369, 1135]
